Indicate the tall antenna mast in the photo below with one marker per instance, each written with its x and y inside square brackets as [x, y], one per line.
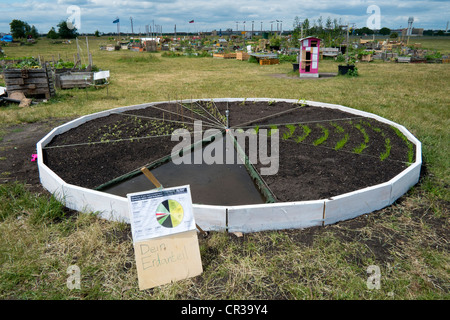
[131, 19]
[410, 23]
[409, 30]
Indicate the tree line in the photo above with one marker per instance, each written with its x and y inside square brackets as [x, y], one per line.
[20, 30]
[330, 31]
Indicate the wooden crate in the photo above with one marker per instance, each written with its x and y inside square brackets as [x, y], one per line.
[31, 82]
[268, 61]
[366, 58]
[243, 56]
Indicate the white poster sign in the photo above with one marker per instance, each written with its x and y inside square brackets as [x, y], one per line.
[158, 213]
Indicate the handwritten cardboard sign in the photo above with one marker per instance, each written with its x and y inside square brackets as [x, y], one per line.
[166, 259]
[164, 236]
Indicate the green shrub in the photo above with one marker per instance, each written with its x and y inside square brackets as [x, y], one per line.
[287, 58]
[252, 59]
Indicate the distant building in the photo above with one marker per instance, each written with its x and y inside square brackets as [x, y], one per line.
[416, 32]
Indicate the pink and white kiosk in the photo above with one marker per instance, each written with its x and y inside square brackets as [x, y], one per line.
[309, 57]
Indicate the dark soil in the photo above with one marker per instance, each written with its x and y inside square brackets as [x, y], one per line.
[306, 171]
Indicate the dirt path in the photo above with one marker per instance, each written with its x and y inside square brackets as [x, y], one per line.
[17, 144]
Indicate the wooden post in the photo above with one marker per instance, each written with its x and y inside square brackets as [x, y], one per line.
[151, 177]
[87, 44]
[78, 51]
[89, 54]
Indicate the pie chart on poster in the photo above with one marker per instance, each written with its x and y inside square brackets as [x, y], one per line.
[169, 213]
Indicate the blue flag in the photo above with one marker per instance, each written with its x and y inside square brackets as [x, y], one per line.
[116, 21]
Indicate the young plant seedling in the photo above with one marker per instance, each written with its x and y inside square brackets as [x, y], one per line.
[341, 143]
[306, 131]
[289, 133]
[387, 144]
[408, 143]
[363, 145]
[272, 127]
[324, 137]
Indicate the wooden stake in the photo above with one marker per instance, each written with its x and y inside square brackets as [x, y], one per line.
[323, 215]
[155, 181]
[151, 177]
[78, 52]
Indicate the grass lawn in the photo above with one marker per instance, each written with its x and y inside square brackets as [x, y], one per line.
[408, 241]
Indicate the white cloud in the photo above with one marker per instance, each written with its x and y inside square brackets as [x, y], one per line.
[213, 14]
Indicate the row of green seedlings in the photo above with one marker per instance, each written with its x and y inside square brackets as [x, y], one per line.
[213, 111]
[408, 143]
[306, 131]
[179, 114]
[300, 102]
[138, 128]
[387, 143]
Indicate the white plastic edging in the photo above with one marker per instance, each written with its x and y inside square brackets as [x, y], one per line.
[404, 181]
[275, 216]
[108, 206]
[247, 218]
[356, 203]
[210, 218]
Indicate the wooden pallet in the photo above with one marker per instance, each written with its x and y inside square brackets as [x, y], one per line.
[225, 55]
[268, 61]
[31, 82]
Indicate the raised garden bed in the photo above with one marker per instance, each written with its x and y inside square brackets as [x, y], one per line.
[71, 80]
[231, 55]
[334, 162]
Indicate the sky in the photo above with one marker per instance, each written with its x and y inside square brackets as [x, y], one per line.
[91, 15]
